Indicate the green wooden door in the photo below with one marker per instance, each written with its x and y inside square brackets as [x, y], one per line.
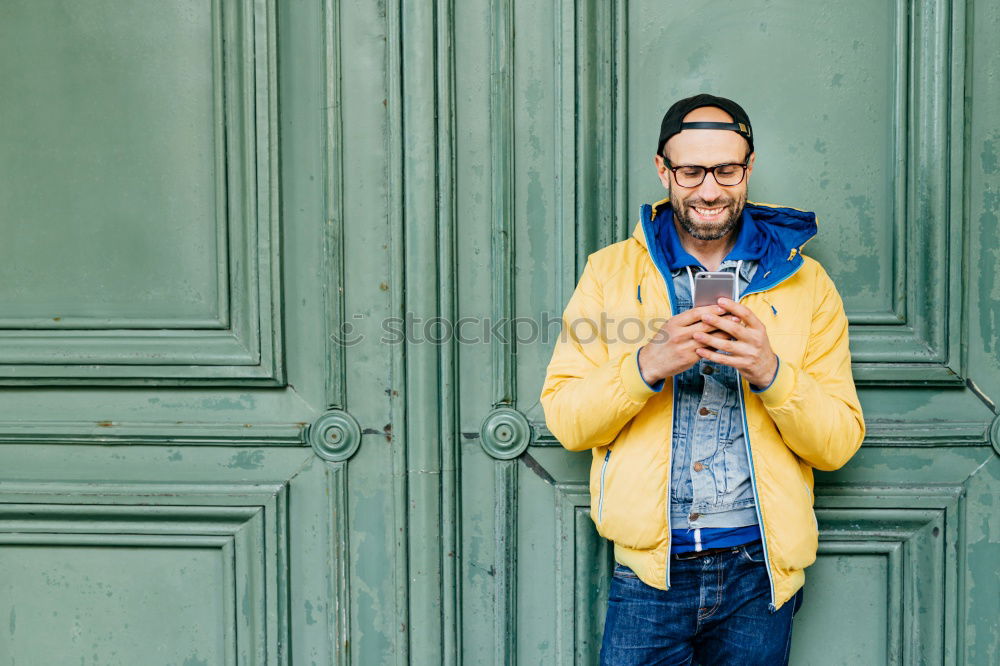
[280, 280]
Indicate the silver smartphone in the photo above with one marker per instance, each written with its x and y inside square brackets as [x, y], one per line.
[710, 286]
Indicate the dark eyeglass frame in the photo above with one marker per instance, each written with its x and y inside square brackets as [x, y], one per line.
[708, 170]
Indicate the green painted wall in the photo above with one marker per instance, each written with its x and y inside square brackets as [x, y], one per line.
[218, 214]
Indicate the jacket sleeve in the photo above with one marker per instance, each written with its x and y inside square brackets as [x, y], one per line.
[816, 406]
[588, 395]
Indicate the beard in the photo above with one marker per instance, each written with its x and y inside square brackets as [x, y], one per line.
[728, 220]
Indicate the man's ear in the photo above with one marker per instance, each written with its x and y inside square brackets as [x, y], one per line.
[661, 171]
[753, 156]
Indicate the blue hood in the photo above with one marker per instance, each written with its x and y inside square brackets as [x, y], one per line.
[772, 235]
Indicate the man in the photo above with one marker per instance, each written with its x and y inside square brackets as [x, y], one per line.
[705, 433]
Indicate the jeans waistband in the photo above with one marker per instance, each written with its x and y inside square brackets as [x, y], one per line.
[690, 555]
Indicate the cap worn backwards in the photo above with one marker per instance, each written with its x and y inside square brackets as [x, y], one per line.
[673, 120]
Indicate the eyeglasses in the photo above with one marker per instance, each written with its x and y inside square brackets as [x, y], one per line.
[692, 175]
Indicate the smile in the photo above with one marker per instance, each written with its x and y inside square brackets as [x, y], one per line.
[709, 213]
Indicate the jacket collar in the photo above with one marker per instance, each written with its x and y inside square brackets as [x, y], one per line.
[772, 235]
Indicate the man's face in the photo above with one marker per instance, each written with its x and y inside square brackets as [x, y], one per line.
[709, 211]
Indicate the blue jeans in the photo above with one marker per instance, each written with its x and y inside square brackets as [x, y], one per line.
[715, 613]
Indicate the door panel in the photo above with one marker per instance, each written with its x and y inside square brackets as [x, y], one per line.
[139, 172]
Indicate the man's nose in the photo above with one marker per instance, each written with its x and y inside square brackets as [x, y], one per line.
[709, 190]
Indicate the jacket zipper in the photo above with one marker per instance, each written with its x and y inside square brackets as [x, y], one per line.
[673, 395]
[753, 475]
[809, 494]
[670, 467]
[600, 500]
[670, 427]
[756, 499]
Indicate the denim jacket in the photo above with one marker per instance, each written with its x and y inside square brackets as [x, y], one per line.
[721, 493]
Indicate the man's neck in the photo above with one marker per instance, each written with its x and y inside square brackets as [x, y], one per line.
[709, 252]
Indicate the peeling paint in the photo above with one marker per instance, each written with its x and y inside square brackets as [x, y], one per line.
[908, 463]
[989, 157]
[697, 59]
[533, 97]
[859, 271]
[310, 619]
[243, 402]
[247, 460]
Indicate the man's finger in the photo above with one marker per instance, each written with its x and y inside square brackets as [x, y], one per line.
[723, 359]
[733, 348]
[698, 327]
[689, 317]
[741, 311]
[733, 328]
[680, 331]
[716, 342]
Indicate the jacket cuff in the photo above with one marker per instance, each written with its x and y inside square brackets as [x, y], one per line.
[635, 386]
[777, 367]
[780, 388]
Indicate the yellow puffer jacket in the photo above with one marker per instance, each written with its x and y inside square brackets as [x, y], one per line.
[594, 397]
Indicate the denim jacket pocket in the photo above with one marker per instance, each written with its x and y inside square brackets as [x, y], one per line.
[732, 468]
[681, 490]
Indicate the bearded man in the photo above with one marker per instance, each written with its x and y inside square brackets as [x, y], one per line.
[705, 435]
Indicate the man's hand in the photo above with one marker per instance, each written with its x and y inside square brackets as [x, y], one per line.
[749, 350]
[672, 350]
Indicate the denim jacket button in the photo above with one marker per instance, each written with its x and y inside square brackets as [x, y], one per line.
[698, 467]
[703, 411]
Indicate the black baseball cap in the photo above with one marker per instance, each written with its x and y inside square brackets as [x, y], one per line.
[675, 114]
